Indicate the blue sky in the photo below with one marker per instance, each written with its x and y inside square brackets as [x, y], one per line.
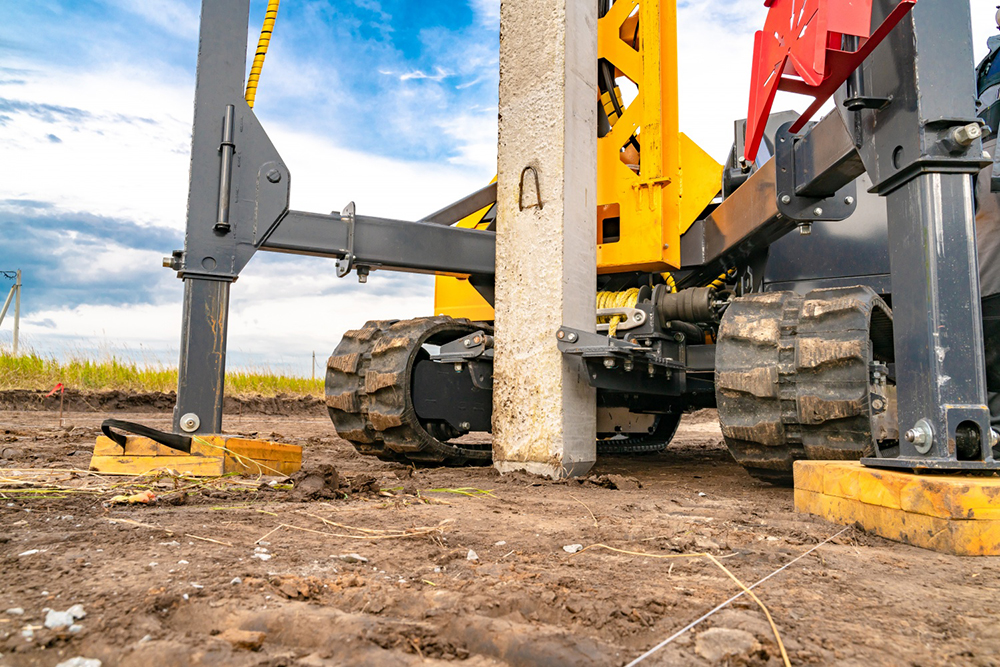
[390, 103]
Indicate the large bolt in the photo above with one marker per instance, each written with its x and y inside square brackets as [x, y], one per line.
[190, 422]
[921, 436]
[965, 135]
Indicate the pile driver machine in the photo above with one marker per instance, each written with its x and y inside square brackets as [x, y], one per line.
[820, 288]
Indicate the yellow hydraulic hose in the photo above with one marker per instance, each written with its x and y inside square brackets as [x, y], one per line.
[262, 44]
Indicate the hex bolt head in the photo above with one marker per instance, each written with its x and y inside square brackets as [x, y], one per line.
[921, 436]
[609, 362]
[967, 134]
[190, 422]
[560, 334]
[274, 176]
[849, 200]
[805, 229]
[817, 211]
[465, 426]
[571, 337]
[458, 367]
[786, 199]
[467, 343]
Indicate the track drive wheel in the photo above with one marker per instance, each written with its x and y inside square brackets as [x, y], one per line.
[653, 442]
[793, 378]
[369, 396]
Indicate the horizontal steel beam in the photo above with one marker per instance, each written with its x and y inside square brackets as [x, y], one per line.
[418, 247]
[465, 206]
[748, 220]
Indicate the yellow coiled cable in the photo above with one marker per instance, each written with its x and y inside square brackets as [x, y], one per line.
[262, 44]
[627, 299]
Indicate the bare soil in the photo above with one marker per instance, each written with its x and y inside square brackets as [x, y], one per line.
[244, 573]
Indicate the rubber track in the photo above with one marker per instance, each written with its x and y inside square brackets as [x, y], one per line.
[792, 377]
[652, 443]
[368, 391]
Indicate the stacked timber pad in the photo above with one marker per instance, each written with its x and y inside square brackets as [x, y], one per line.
[211, 456]
[949, 513]
[793, 377]
[368, 380]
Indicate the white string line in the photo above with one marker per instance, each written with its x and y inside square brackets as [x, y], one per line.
[730, 600]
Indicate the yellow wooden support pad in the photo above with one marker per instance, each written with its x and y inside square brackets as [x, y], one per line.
[948, 513]
[211, 456]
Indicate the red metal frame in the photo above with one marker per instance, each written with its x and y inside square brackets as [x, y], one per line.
[800, 51]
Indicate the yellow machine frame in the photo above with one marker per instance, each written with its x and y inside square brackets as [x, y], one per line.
[650, 205]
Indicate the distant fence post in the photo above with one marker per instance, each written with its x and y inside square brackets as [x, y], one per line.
[15, 294]
[314, 364]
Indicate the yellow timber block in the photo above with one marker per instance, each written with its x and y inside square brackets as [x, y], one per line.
[947, 513]
[211, 456]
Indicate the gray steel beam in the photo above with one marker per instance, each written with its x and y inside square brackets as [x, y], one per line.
[465, 206]
[748, 220]
[386, 244]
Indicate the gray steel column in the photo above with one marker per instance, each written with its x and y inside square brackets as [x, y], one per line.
[202, 370]
[208, 266]
[936, 310]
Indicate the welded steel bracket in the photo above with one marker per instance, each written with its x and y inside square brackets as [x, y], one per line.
[794, 173]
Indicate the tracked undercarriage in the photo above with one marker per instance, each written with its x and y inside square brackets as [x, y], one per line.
[795, 377]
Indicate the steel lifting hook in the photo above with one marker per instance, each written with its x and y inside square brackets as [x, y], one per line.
[520, 192]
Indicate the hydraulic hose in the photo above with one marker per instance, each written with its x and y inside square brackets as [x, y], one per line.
[262, 44]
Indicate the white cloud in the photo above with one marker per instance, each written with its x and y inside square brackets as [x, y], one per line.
[174, 16]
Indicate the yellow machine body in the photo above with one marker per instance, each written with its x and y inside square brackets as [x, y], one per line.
[643, 209]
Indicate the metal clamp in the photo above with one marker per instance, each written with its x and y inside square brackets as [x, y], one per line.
[346, 263]
[806, 209]
[520, 191]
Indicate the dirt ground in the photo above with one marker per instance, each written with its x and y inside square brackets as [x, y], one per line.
[396, 568]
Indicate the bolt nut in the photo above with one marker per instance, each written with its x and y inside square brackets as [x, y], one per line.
[967, 134]
[921, 436]
[628, 366]
[467, 342]
[465, 426]
[168, 262]
[560, 334]
[817, 211]
[571, 337]
[274, 176]
[786, 199]
[190, 422]
[458, 367]
[849, 201]
[805, 229]
[609, 362]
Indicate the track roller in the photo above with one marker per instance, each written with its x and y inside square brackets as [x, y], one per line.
[799, 378]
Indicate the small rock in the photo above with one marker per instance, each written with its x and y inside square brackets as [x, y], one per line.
[718, 643]
[262, 556]
[244, 640]
[15, 611]
[80, 662]
[183, 562]
[702, 494]
[352, 558]
[573, 548]
[29, 552]
[236, 581]
[500, 543]
[61, 619]
[705, 544]
[194, 585]
[472, 555]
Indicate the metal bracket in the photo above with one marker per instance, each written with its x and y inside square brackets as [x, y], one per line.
[476, 345]
[346, 263]
[633, 318]
[834, 207]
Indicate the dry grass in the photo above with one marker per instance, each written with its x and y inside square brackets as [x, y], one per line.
[32, 371]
